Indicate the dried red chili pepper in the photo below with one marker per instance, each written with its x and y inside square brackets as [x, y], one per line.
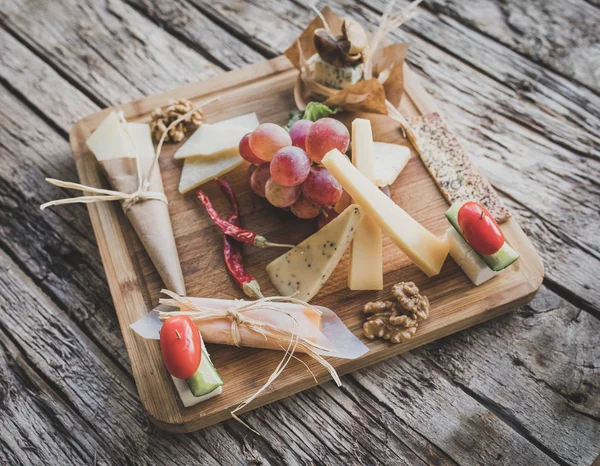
[232, 249]
[234, 231]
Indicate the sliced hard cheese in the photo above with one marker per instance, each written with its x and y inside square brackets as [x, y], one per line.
[218, 139]
[467, 259]
[389, 161]
[110, 140]
[365, 271]
[426, 250]
[199, 170]
[307, 267]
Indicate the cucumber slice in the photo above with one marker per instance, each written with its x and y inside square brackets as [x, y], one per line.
[206, 379]
[497, 261]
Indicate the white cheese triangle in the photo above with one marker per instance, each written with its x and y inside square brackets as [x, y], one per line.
[199, 170]
[216, 139]
[388, 160]
[110, 140]
[306, 268]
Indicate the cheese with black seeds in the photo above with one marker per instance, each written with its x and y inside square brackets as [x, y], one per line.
[303, 270]
[332, 76]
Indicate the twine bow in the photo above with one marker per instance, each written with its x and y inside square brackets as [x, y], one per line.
[269, 331]
[142, 193]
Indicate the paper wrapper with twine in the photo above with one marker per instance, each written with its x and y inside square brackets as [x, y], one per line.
[380, 90]
[281, 323]
[127, 157]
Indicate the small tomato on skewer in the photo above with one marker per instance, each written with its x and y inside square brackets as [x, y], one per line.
[181, 346]
[480, 229]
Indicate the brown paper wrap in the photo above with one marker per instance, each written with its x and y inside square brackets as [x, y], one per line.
[368, 95]
[149, 217]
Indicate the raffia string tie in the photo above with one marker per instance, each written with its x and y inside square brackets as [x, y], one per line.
[288, 339]
[128, 199]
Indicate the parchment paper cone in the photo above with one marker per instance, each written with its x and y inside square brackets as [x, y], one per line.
[150, 218]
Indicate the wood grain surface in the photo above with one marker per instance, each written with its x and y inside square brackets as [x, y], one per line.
[521, 389]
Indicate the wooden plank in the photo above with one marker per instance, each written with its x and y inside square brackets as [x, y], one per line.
[562, 35]
[546, 380]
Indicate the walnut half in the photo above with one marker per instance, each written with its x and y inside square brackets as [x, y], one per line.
[396, 321]
[163, 117]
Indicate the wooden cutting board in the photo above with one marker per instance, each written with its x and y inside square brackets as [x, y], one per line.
[267, 89]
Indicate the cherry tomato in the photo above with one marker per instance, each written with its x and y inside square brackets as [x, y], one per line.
[480, 229]
[181, 346]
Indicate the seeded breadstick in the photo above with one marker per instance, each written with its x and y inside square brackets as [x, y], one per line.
[451, 167]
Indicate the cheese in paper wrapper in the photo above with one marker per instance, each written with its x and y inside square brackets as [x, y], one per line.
[125, 152]
[365, 95]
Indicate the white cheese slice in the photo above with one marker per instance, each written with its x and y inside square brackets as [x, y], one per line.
[467, 259]
[389, 161]
[187, 398]
[199, 170]
[110, 140]
[142, 139]
[426, 250]
[305, 268]
[365, 270]
[216, 139]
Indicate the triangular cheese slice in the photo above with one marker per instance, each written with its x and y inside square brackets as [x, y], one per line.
[218, 139]
[110, 140]
[199, 170]
[388, 160]
[307, 267]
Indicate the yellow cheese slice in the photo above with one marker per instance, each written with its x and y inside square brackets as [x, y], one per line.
[303, 270]
[199, 170]
[218, 139]
[365, 271]
[426, 250]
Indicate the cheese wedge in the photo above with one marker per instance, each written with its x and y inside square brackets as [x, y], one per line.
[303, 270]
[365, 271]
[199, 170]
[110, 140]
[426, 250]
[218, 139]
[467, 259]
[388, 160]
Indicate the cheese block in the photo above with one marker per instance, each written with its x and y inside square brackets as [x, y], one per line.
[303, 270]
[218, 139]
[110, 140]
[334, 77]
[426, 250]
[141, 136]
[389, 161]
[467, 259]
[365, 270]
[199, 170]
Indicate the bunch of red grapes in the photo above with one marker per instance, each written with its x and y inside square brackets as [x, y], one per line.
[286, 166]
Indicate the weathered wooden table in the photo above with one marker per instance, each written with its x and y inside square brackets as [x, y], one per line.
[520, 83]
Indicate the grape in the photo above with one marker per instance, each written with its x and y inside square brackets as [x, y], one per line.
[324, 135]
[326, 217]
[290, 166]
[267, 139]
[321, 187]
[247, 153]
[304, 208]
[251, 169]
[298, 132]
[281, 196]
[259, 178]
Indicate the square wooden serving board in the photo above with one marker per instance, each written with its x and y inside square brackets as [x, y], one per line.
[267, 89]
